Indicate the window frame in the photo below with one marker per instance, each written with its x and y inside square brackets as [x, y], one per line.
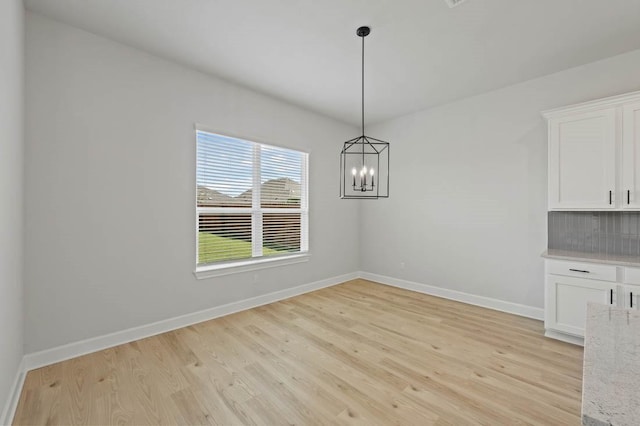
[257, 260]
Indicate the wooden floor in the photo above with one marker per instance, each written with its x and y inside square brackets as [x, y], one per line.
[356, 353]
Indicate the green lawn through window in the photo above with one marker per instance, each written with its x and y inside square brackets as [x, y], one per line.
[214, 248]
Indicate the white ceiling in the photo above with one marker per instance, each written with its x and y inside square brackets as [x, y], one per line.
[420, 53]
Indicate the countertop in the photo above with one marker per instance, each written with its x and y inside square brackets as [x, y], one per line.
[611, 378]
[579, 256]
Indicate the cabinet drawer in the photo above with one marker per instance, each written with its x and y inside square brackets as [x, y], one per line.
[632, 275]
[583, 270]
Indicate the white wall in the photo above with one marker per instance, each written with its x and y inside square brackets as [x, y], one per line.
[11, 189]
[110, 176]
[467, 210]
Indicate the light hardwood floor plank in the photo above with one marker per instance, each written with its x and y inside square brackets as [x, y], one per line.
[359, 353]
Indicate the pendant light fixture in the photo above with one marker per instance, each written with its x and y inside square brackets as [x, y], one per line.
[364, 161]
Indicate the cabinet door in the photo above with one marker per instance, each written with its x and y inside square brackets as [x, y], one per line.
[582, 161]
[567, 297]
[631, 156]
[630, 296]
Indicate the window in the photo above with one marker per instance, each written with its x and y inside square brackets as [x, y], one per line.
[251, 202]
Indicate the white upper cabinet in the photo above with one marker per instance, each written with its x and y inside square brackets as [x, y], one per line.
[631, 156]
[582, 160]
[594, 155]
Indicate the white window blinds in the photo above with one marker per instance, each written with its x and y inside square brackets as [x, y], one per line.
[251, 200]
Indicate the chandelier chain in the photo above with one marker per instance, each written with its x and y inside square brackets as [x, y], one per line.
[362, 86]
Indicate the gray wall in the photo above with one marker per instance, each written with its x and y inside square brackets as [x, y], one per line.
[11, 190]
[468, 186]
[110, 186]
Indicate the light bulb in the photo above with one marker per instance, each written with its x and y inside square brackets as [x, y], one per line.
[361, 172]
[353, 171]
[364, 169]
[371, 171]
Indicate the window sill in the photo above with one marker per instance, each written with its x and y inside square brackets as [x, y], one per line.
[248, 265]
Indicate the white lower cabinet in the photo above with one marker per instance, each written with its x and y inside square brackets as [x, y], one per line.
[569, 287]
[630, 289]
[567, 298]
[629, 296]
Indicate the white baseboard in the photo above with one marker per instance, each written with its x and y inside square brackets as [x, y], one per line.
[472, 299]
[9, 410]
[83, 347]
[568, 338]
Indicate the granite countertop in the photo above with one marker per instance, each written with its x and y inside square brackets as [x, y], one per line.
[611, 378]
[579, 256]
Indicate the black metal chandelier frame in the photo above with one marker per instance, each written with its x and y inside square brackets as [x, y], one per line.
[363, 146]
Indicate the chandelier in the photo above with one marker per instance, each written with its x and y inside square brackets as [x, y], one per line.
[364, 161]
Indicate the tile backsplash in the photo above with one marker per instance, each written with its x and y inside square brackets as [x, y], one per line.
[613, 233]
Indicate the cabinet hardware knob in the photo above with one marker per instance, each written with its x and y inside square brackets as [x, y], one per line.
[628, 196]
[611, 297]
[610, 197]
[580, 270]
